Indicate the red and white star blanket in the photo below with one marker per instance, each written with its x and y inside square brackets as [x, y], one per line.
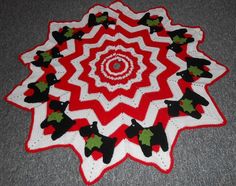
[117, 84]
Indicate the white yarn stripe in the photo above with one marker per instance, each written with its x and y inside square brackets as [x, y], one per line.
[196, 32]
[120, 58]
[108, 105]
[17, 96]
[126, 86]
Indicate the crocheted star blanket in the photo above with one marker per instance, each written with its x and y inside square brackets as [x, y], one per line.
[117, 84]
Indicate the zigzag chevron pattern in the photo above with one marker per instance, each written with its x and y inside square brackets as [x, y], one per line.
[117, 72]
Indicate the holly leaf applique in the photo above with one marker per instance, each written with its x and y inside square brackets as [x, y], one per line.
[55, 116]
[101, 19]
[94, 141]
[179, 40]
[187, 105]
[69, 33]
[42, 86]
[145, 137]
[155, 22]
[195, 70]
[46, 56]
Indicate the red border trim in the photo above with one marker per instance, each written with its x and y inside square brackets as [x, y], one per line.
[127, 155]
